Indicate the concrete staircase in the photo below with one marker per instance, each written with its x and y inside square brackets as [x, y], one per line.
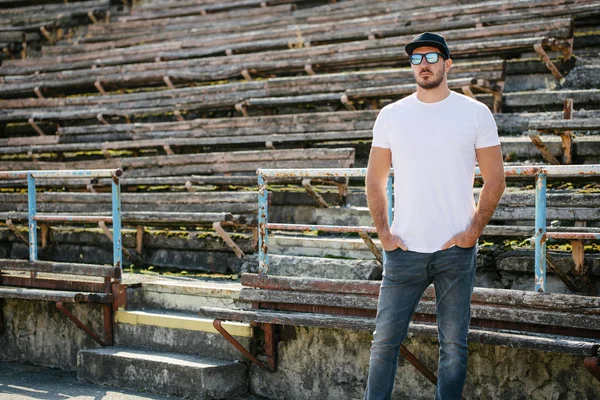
[162, 346]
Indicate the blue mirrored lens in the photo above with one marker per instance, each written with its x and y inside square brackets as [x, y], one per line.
[416, 59]
[432, 58]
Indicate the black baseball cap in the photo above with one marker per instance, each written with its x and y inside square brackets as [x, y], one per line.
[429, 39]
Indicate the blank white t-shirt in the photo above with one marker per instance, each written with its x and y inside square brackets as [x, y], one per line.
[433, 155]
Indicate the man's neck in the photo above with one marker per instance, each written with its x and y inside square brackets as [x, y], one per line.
[433, 95]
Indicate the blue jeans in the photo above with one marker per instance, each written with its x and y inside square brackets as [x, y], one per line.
[406, 275]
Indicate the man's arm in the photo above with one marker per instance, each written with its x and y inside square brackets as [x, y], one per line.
[380, 160]
[492, 171]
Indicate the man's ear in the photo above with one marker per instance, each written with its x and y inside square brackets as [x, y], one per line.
[448, 64]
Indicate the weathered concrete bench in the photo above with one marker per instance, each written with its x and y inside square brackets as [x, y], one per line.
[548, 322]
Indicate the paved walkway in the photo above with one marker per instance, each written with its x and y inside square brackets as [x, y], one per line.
[26, 382]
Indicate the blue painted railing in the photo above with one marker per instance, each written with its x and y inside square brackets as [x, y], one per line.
[541, 235]
[34, 217]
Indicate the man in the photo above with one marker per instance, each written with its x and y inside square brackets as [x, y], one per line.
[432, 138]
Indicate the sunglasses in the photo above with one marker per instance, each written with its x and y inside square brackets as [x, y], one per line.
[432, 58]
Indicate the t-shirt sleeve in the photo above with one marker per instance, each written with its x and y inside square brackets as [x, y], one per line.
[487, 134]
[380, 135]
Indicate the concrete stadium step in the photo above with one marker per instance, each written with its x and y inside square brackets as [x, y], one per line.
[179, 332]
[321, 267]
[353, 248]
[170, 374]
[184, 296]
[356, 216]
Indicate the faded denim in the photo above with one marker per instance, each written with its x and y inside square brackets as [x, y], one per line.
[406, 275]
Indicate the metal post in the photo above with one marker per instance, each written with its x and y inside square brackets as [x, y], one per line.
[116, 221]
[263, 234]
[540, 231]
[31, 199]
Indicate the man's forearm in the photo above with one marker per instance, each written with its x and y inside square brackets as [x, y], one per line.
[378, 206]
[488, 201]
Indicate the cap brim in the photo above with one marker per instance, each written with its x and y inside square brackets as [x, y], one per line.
[409, 48]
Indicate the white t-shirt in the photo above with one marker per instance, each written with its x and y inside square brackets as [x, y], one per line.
[433, 155]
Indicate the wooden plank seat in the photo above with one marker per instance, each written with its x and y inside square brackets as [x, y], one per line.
[61, 282]
[236, 162]
[512, 318]
[564, 129]
[23, 25]
[33, 111]
[83, 81]
[277, 40]
[341, 56]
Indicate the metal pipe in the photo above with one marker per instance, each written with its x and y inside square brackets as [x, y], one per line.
[263, 233]
[548, 170]
[116, 221]
[540, 232]
[31, 205]
[325, 228]
[90, 173]
[70, 218]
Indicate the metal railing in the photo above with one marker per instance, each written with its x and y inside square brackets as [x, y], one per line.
[34, 217]
[541, 173]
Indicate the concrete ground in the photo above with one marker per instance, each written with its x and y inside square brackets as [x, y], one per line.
[27, 382]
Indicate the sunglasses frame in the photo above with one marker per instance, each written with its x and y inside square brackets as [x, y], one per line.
[424, 56]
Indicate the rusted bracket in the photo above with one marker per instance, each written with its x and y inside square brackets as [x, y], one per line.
[139, 239]
[45, 228]
[92, 17]
[548, 156]
[168, 150]
[309, 69]
[347, 103]
[168, 82]
[241, 107]
[564, 277]
[467, 91]
[109, 235]
[14, 230]
[100, 118]
[178, 115]
[246, 74]
[106, 342]
[225, 236]
[313, 193]
[46, 34]
[217, 323]
[105, 153]
[485, 87]
[592, 364]
[99, 87]
[369, 242]
[189, 187]
[36, 127]
[539, 49]
[38, 93]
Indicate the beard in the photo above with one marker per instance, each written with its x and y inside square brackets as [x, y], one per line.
[432, 82]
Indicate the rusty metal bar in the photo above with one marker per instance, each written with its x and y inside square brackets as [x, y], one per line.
[571, 235]
[68, 314]
[592, 364]
[418, 365]
[217, 324]
[325, 228]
